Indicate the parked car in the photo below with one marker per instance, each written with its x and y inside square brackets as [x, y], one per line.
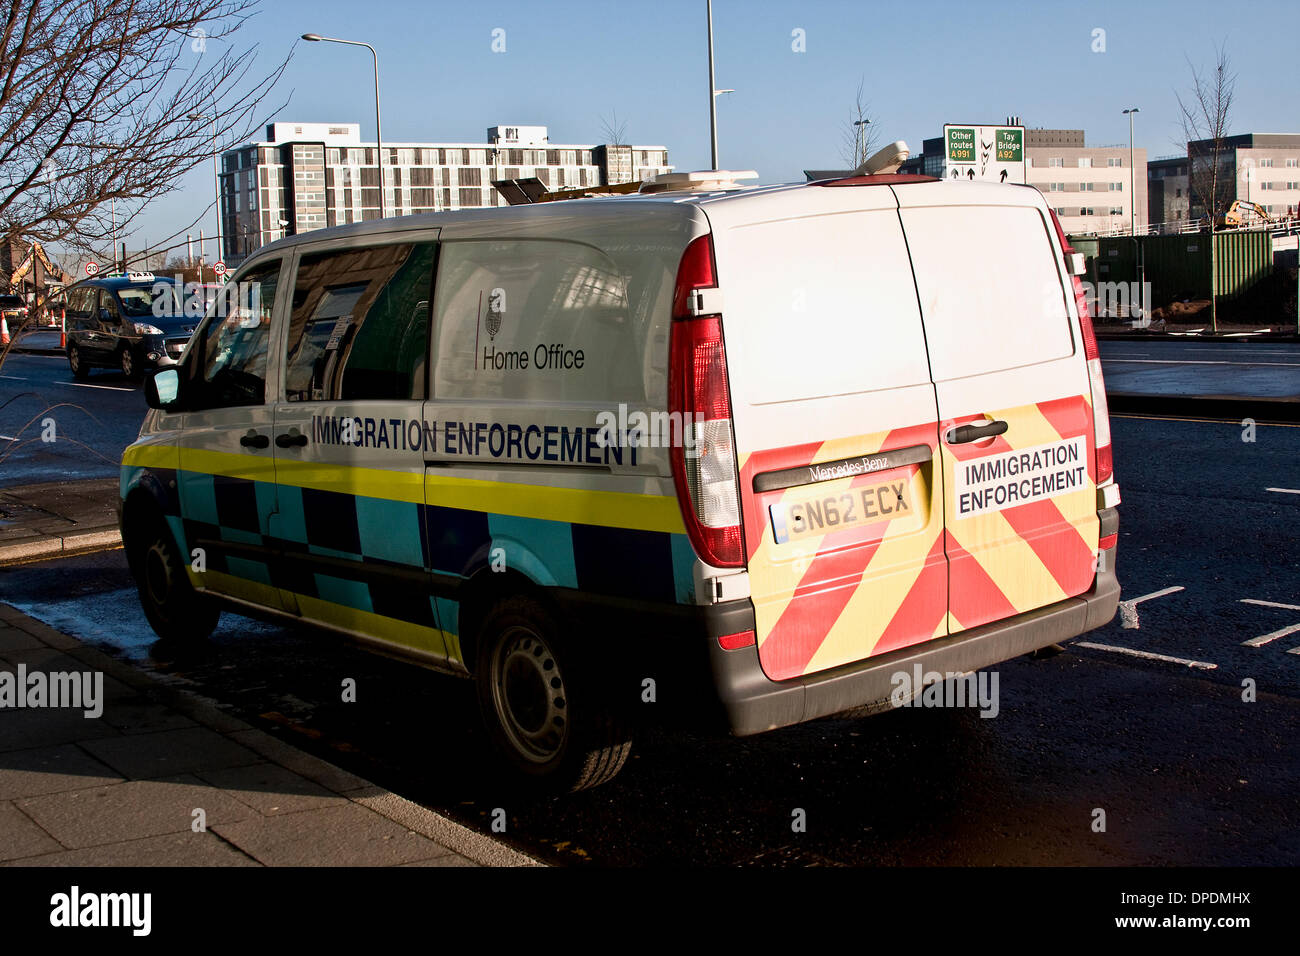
[130, 323]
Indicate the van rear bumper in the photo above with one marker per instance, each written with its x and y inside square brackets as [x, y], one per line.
[754, 704]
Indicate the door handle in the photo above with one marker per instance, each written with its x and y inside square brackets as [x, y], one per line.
[960, 434]
[291, 440]
[254, 440]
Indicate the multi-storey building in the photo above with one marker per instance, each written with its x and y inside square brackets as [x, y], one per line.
[1262, 168]
[306, 176]
[1168, 202]
[1090, 187]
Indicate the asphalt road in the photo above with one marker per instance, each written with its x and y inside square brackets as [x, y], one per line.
[1186, 771]
[93, 421]
[1239, 369]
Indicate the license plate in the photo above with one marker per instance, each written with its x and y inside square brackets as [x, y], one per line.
[813, 515]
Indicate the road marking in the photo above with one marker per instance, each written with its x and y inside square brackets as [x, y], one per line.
[15, 378]
[1198, 362]
[1285, 491]
[1128, 609]
[7, 438]
[1269, 638]
[111, 388]
[1285, 607]
[1294, 650]
[1199, 421]
[1147, 655]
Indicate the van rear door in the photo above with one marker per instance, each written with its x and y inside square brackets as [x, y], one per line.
[835, 426]
[1015, 415]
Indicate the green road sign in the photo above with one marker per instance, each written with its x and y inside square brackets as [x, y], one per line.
[961, 144]
[1010, 145]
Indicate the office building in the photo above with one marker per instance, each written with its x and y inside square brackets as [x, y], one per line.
[307, 176]
[1263, 168]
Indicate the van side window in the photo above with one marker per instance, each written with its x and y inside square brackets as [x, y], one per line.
[359, 328]
[231, 346]
[533, 320]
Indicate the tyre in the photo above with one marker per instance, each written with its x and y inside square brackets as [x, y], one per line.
[130, 367]
[175, 610]
[543, 712]
[80, 370]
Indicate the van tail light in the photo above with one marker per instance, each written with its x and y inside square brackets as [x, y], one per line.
[704, 460]
[1100, 412]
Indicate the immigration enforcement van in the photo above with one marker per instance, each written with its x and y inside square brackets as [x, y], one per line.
[755, 448]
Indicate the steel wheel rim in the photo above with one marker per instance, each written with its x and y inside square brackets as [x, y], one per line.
[74, 359]
[529, 696]
[128, 363]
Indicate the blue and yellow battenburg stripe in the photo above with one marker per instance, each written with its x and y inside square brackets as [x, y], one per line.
[362, 522]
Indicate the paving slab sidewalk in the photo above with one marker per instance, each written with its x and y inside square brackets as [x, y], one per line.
[58, 518]
[125, 788]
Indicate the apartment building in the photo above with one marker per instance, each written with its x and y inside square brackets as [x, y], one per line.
[1092, 188]
[1262, 168]
[307, 176]
[1168, 199]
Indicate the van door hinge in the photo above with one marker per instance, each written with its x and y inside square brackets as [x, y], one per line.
[705, 302]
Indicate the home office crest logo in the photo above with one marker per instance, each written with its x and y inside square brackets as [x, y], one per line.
[496, 312]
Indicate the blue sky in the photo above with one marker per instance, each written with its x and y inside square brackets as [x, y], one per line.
[569, 62]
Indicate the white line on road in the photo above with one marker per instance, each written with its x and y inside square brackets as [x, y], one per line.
[1285, 607]
[1198, 362]
[1294, 650]
[1269, 638]
[111, 388]
[7, 438]
[1147, 655]
[1285, 491]
[1128, 615]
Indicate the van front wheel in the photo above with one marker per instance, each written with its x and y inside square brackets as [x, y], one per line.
[543, 714]
[175, 610]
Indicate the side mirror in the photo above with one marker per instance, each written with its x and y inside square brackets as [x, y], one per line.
[162, 388]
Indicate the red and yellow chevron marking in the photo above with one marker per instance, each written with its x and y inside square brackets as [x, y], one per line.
[830, 599]
[1024, 556]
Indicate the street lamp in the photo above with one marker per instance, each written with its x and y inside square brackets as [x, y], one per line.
[379, 136]
[714, 93]
[1133, 200]
[216, 188]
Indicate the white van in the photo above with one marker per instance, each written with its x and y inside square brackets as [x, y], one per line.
[765, 447]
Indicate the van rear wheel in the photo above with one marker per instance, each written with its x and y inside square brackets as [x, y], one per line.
[175, 610]
[544, 715]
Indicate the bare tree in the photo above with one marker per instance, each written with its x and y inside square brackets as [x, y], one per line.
[1206, 114]
[858, 136]
[106, 104]
[613, 131]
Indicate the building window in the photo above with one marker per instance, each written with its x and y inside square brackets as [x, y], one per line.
[1117, 210]
[1265, 185]
[1056, 187]
[1085, 162]
[1086, 187]
[1059, 210]
[1087, 211]
[1178, 193]
[1055, 161]
[1115, 161]
[1266, 162]
[470, 197]
[1293, 185]
[1115, 187]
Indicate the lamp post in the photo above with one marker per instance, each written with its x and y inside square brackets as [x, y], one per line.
[714, 93]
[1133, 211]
[216, 188]
[379, 136]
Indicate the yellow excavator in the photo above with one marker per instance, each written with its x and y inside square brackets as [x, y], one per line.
[1242, 212]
